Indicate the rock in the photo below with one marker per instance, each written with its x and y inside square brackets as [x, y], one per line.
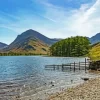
[71, 81]
[95, 65]
[85, 78]
[52, 83]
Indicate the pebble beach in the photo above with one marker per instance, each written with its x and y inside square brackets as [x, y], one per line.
[89, 90]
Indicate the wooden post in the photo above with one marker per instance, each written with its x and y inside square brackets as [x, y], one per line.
[54, 67]
[89, 65]
[79, 65]
[89, 62]
[85, 64]
[62, 67]
[74, 66]
[70, 67]
[58, 67]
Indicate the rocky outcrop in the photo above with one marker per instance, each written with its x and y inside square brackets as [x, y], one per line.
[95, 65]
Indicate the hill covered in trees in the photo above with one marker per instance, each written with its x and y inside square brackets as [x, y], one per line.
[71, 47]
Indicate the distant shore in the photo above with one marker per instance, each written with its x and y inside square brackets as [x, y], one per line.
[89, 90]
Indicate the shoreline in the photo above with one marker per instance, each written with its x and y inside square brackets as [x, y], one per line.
[45, 94]
[89, 90]
[56, 92]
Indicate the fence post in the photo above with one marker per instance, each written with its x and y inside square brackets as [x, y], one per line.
[79, 65]
[54, 67]
[74, 66]
[89, 65]
[70, 66]
[85, 64]
[62, 67]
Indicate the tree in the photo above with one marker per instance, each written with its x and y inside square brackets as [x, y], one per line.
[74, 46]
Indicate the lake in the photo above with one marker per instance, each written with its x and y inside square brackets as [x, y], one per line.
[26, 75]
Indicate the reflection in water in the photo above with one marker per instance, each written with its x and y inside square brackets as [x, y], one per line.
[27, 75]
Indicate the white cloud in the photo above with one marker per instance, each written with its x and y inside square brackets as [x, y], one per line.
[87, 22]
[57, 22]
[84, 21]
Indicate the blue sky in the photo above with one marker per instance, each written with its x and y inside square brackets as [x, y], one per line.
[53, 18]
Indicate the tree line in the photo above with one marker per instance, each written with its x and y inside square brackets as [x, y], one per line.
[71, 47]
[17, 54]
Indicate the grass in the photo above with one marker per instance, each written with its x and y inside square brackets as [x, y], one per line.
[94, 53]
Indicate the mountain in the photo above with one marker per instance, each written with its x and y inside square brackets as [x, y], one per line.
[95, 39]
[35, 34]
[3, 45]
[30, 41]
[95, 52]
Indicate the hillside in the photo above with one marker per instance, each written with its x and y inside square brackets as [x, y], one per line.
[32, 45]
[32, 33]
[29, 42]
[95, 39]
[95, 52]
[3, 45]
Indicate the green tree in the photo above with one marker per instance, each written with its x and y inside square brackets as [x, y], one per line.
[70, 47]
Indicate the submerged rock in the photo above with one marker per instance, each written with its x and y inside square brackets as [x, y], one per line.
[85, 78]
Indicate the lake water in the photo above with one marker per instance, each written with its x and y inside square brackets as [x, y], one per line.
[26, 75]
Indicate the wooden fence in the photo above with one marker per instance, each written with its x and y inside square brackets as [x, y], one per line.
[72, 66]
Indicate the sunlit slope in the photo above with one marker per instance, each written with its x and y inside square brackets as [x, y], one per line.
[29, 42]
[31, 46]
[95, 52]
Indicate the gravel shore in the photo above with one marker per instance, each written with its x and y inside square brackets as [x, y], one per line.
[89, 90]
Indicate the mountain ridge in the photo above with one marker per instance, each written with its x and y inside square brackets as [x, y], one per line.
[40, 36]
[95, 39]
[3, 45]
[30, 41]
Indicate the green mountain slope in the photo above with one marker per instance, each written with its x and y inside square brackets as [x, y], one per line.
[28, 42]
[95, 52]
[30, 46]
[36, 35]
